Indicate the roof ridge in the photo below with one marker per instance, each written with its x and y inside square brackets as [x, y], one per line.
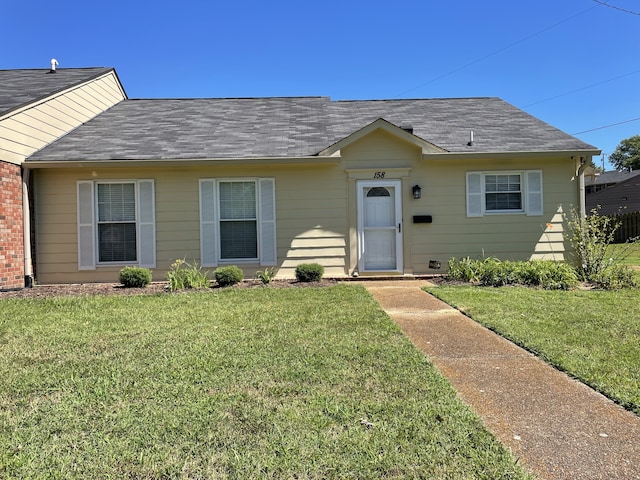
[231, 98]
[47, 69]
[416, 99]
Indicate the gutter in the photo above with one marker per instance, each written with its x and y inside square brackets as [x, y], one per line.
[172, 162]
[508, 155]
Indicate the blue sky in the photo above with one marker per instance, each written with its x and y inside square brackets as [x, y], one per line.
[571, 63]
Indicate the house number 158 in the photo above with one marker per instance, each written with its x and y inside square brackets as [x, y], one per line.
[378, 175]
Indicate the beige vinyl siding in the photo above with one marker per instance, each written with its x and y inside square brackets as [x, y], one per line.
[507, 236]
[310, 218]
[29, 129]
[316, 215]
[380, 150]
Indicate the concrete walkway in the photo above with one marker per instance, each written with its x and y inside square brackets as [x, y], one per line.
[557, 427]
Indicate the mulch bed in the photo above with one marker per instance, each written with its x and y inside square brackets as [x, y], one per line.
[88, 289]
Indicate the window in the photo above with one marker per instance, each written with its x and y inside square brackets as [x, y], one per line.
[237, 221]
[116, 223]
[504, 192]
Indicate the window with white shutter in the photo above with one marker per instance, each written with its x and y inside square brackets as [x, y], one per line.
[116, 223]
[237, 221]
[504, 192]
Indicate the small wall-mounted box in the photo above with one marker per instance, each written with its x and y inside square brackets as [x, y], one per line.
[422, 219]
[435, 264]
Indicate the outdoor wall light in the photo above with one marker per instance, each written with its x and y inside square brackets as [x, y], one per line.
[417, 192]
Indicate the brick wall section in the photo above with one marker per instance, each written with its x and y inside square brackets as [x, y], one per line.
[11, 227]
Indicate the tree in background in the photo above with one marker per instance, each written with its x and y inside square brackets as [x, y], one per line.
[627, 154]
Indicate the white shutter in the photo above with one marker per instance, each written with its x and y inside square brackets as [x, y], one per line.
[146, 224]
[268, 254]
[208, 230]
[474, 194]
[533, 185]
[86, 226]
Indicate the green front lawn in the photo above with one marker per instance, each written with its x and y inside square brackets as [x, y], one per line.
[592, 335]
[259, 383]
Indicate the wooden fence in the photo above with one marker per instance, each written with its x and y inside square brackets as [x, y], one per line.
[629, 226]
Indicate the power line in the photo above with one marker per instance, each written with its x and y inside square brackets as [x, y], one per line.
[616, 8]
[582, 88]
[495, 52]
[607, 126]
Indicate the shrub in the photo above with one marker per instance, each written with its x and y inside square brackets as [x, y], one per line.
[492, 272]
[266, 275]
[463, 270]
[135, 277]
[548, 274]
[309, 272]
[185, 275]
[589, 238]
[615, 277]
[229, 275]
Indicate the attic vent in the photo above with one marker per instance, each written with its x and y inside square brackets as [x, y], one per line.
[54, 64]
[407, 128]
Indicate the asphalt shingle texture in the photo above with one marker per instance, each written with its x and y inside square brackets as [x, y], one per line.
[21, 87]
[168, 129]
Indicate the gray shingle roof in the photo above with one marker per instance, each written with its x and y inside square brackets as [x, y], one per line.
[297, 126]
[613, 176]
[21, 87]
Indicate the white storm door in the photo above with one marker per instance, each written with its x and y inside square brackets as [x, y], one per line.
[380, 226]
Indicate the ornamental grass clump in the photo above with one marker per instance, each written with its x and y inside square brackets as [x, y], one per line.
[135, 277]
[229, 275]
[266, 276]
[185, 275]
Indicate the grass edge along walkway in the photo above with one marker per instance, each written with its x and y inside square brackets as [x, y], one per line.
[593, 336]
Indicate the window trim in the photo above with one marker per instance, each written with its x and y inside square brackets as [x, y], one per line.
[503, 210]
[209, 201]
[219, 220]
[531, 190]
[98, 222]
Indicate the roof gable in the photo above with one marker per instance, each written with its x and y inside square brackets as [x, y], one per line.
[382, 124]
[19, 88]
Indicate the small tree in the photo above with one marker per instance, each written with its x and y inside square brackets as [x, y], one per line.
[627, 154]
[589, 237]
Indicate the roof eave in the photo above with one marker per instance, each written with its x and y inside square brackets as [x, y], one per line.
[170, 162]
[509, 155]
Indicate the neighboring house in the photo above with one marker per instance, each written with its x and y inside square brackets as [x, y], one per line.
[621, 197]
[36, 108]
[380, 187]
[595, 182]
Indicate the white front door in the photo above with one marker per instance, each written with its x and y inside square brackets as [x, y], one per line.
[379, 226]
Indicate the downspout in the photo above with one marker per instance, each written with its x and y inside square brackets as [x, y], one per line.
[26, 229]
[582, 166]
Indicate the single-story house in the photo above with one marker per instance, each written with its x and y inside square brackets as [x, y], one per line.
[366, 187]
